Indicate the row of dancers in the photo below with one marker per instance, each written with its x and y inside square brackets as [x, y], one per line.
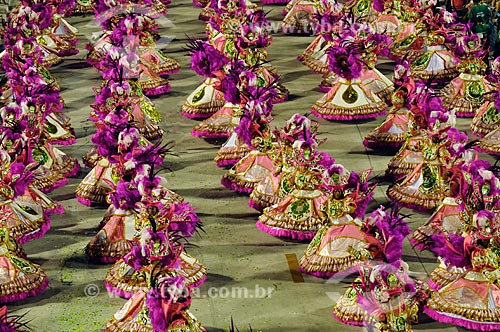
[304, 194]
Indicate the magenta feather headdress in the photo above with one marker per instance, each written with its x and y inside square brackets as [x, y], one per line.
[257, 113]
[154, 247]
[378, 44]
[486, 225]
[15, 175]
[379, 5]
[451, 248]
[167, 301]
[239, 78]
[391, 229]
[125, 195]
[36, 15]
[486, 184]
[295, 128]
[108, 12]
[206, 59]
[251, 36]
[345, 61]
[497, 98]
[183, 220]
[22, 176]
[64, 7]
[111, 126]
[12, 322]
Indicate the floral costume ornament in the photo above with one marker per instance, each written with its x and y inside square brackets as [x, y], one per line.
[354, 94]
[341, 243]
[470, 300]
[468, 92]
[384, 298]
[164, 306]
[278, 183]
[300, 214]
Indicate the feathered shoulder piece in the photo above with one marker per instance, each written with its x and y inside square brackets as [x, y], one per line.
[390, 228]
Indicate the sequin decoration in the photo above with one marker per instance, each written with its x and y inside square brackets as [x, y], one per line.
[350, 95]
[51, 128]
[199, 95]
[40, 155]
[474, 91]
[491, 115]
[298, 210]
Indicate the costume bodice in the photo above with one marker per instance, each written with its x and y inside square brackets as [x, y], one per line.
[337, 208]
[305, 179]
